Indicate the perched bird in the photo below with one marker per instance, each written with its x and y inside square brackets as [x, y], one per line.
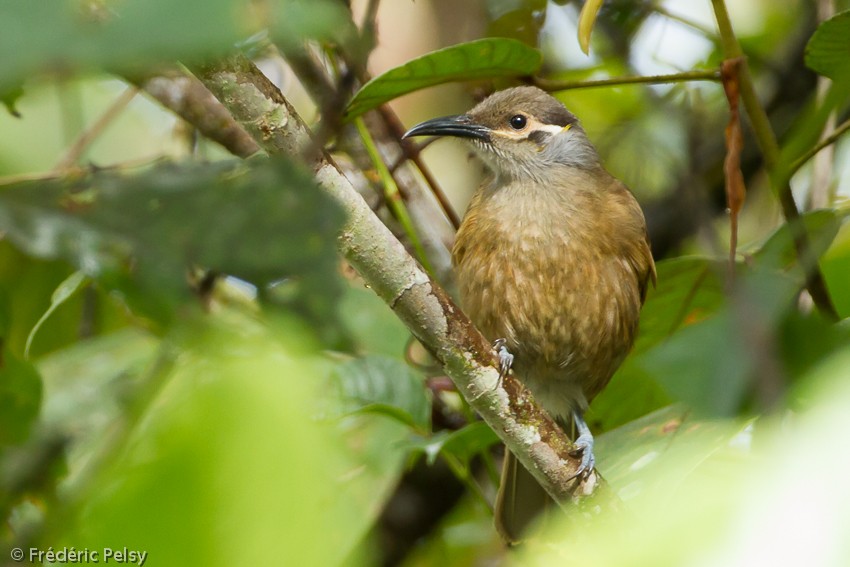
[552, 262]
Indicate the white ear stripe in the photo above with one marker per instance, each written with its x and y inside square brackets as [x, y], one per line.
[553, 129]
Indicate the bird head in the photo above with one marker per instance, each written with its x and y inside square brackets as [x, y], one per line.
[518, 132]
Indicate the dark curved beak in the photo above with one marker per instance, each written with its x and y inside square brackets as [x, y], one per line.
[460, 126]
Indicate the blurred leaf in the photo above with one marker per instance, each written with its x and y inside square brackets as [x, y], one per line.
[463, 444]
[229, 446]
[375, 328]
[836, 265]
[806, 340]
[586, 20]
[290, 22]
[85, 386]
[635, 458]
[65, 34]
[778, 250]
[632, 393]
[709, 496]
[480, 59]
[689, 289]
[139, 234]
[828, 50]
[386, 386]
[516, 19]
[60, 295]
[9, 98]
[20, 398]
[710, 364]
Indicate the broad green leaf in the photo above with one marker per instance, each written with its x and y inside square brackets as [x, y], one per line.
[65, 34]
[632, 458]
[836, 267]
[85, 385]
[632, 393]
[9, 98]
[828, 50]
[689, 289]
[710, 364]
[379, 384]
[480, 59]
[139, 234]
[20, 398]
[63, 292]
[778, 250]
[290, 22]
[229, 446]
[520, 20]
[717, 493]
[463, 444]
[129, 37]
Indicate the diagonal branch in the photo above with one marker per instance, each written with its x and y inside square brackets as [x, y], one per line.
[415, 298]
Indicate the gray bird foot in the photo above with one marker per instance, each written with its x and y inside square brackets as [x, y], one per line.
[506, 359]
[584, 447]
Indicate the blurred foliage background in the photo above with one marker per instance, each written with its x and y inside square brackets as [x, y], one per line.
[189, 369]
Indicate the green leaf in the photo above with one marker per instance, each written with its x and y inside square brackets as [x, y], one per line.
[689, 289]
[63, 292]
[778, 250]
[383, 385]
[462, 444]
[709, 364]
[522, 19]
[229, 446]
[480, 59]
[65, 34]
[290, 22]
[9, 98]
[836, 266]
[20, 398]
[633, 457]
[139, 234]
[828, 50]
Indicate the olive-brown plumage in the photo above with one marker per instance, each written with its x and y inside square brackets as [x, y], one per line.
[553, 257]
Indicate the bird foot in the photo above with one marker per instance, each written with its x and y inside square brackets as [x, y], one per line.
[584, 447]
[506, 359]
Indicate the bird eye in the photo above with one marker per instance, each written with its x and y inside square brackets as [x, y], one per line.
[518, 122]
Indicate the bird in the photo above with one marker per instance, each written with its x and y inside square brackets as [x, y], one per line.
[552, 262]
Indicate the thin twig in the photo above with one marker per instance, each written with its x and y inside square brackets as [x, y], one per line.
[839, 131]
[662, 11]
[413, 154]
[92, 132]
[391, 192]
[556, 85]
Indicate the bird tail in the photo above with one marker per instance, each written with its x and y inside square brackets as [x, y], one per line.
[519, 502]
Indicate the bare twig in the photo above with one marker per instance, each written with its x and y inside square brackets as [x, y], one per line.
[92, 132]
[839, 131]
[556, 85]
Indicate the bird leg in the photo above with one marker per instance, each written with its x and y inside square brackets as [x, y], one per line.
[583, 445]
[506, 359]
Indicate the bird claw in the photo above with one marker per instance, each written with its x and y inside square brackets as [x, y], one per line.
[506, 359]
[584, 447]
